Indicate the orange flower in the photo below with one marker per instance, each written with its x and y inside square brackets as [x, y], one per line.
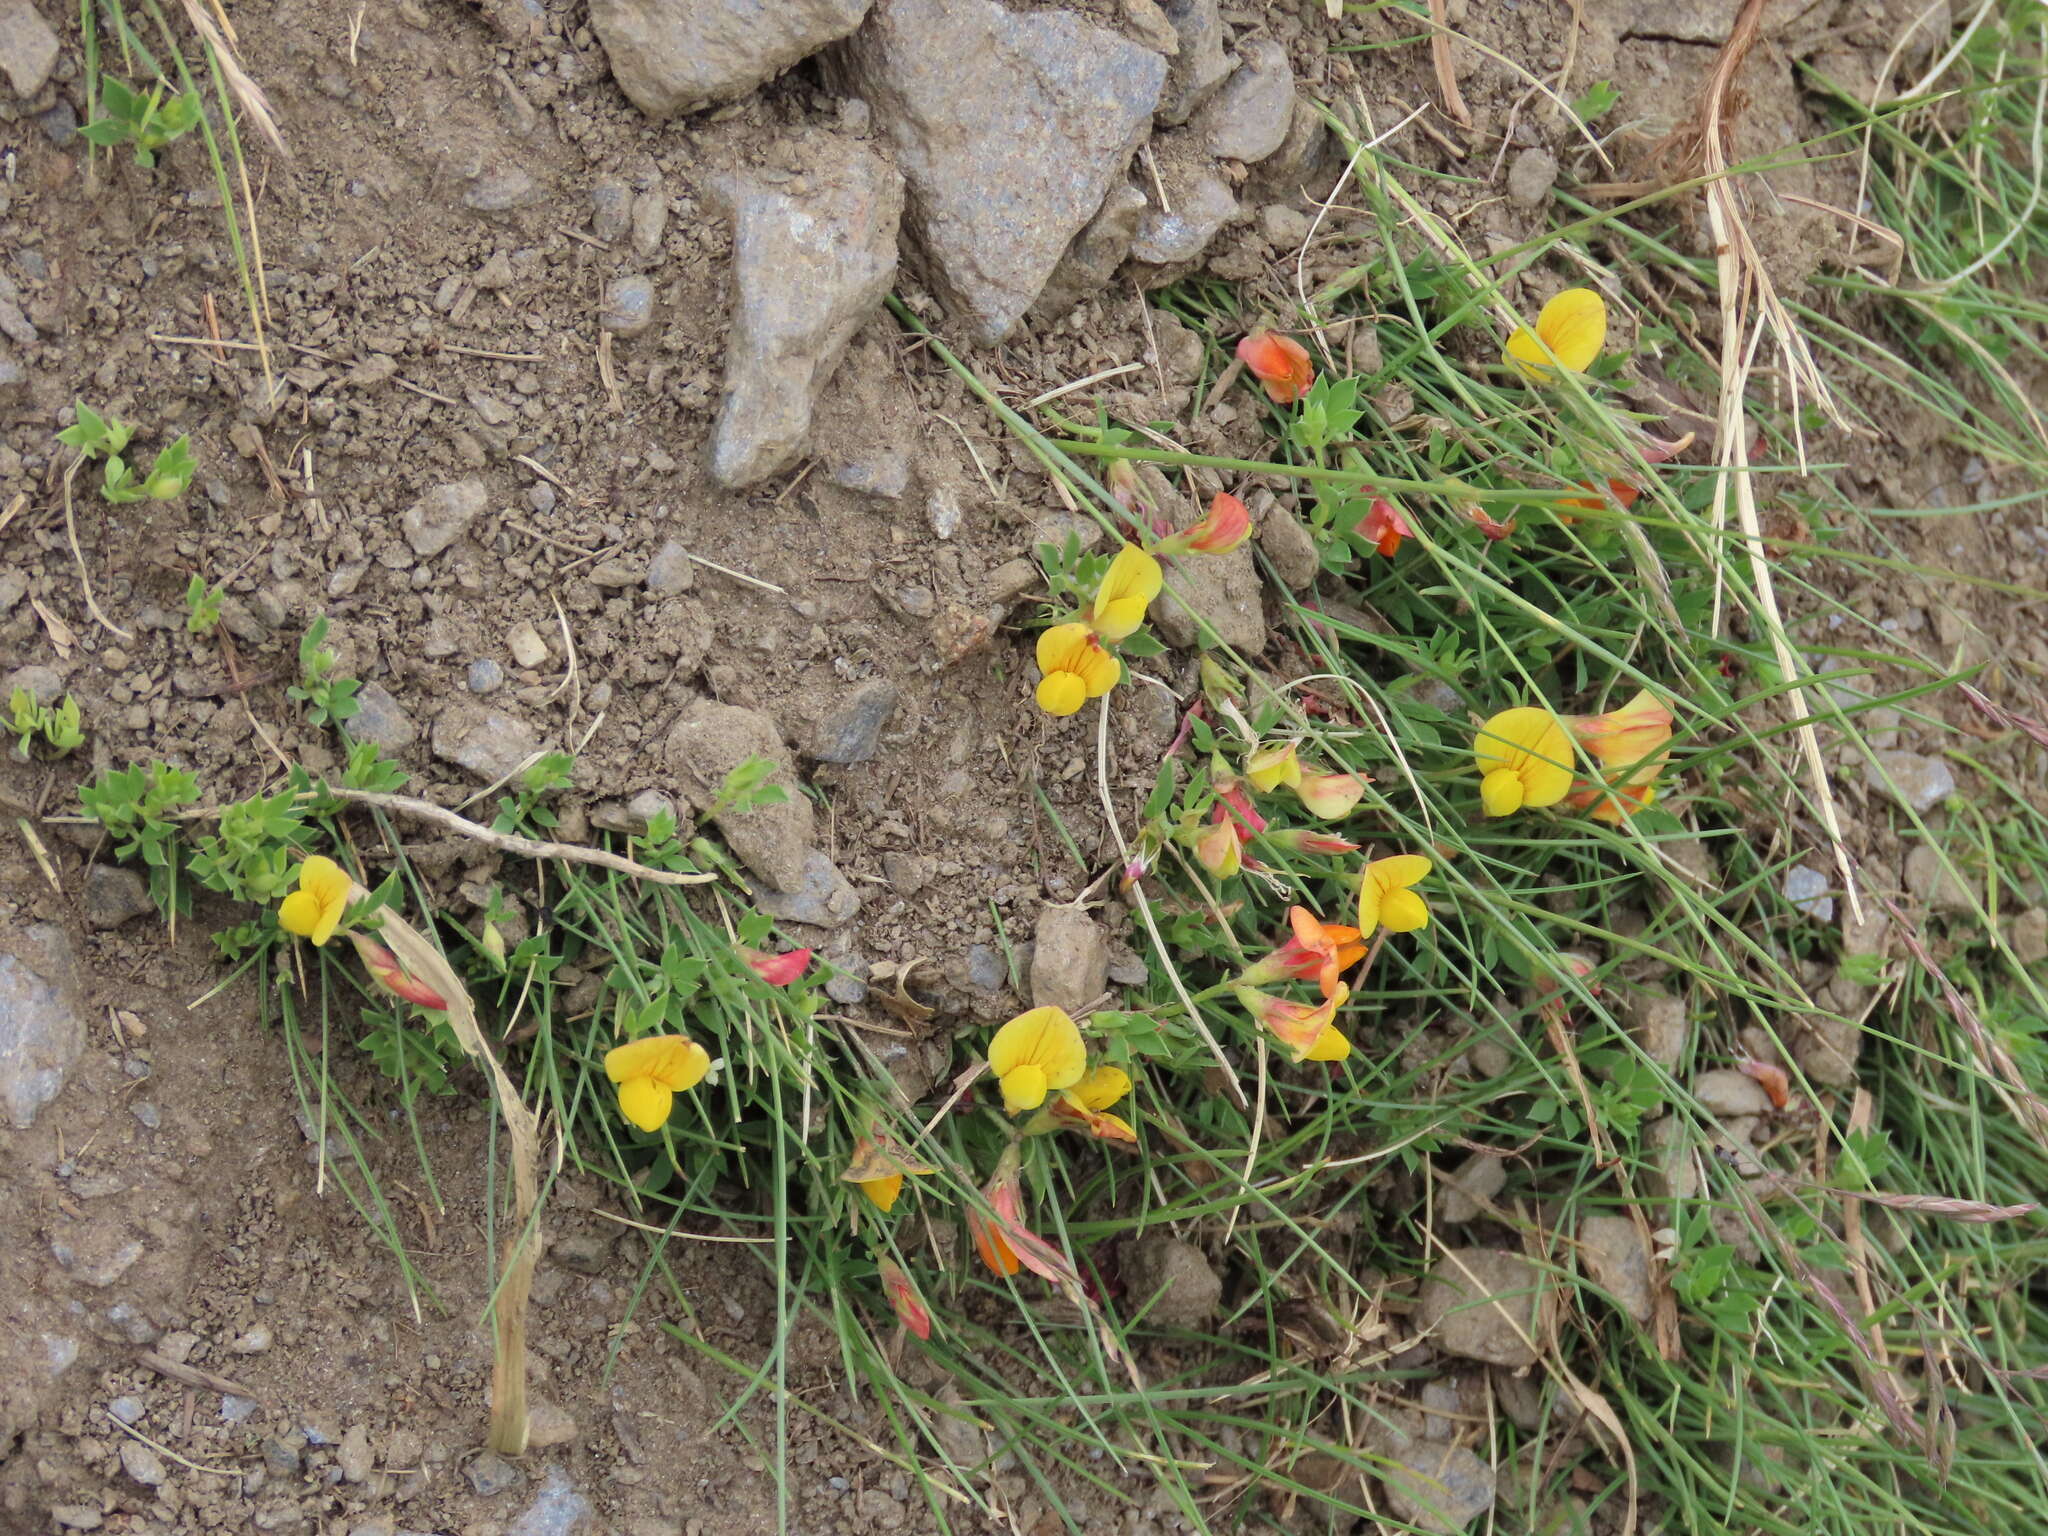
[1384, 526]
[393, 977]
[1002, 1239]
[1629, 740]
[1614, 805]
[1317, 950]
[1307, 1031]
[1084, 1107]
[1771, 1077]
[1227, 524]
[1278, 362]
[911, 1311]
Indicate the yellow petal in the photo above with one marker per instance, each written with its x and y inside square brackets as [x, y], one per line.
[327, 880]
[1044, 1038]
[1099, 671]
[1119, 618]
[1370, 897]
[299, 913]
[883, 1191]
[1102, 1087]
[1403, 912]
[1272, 766]
[1331, 796]
[645, 1102]
[1024, 1087]
[1061, 693]
[1401, 870]
[1574, 326]
[1062, 647]
[1331, 1045]
[1500, 792]
[1525, 354]
[671, 1060]
[1131, 582]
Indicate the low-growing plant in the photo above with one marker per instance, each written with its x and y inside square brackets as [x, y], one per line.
[148, 120]
[93, 435]
[202, 605]
[55, 726]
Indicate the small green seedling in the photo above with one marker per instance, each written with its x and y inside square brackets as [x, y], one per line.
[1597, 102]
[170, 472]
[202, 605]
[57, 727]
[327, 695]
[149, 122]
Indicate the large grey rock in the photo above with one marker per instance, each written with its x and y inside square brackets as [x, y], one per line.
[1827, 1047]
[42, 1023]
[114, 895]
[1225, 591]
[442, 516]
[1484, 1304]
[1200, 66]
[1936, 882]
[1201, 205]
[1095, 254]
[1916, 782]
[1431, 1485]
[1070, 959]
[1248, 119]
[488, 743]
[28, 48]
[1291, 548]
[808, 270]
[823, 898]
[1531, 177]
[852, 732]
[1010, 128]
[707, 743]
[674, 56]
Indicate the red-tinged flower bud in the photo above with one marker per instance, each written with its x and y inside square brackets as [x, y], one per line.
[1384, 526]
[1486, 524]
[1227, 525]
[911, 1311]
[385, 970]
[776, 970]
[1308, 840]
[1280, 363]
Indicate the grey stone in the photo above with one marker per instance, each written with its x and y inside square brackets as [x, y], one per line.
[1201, 65]
[1093, 256]
[28, 52]
[673, 56]
[1614, 1256]
[486, 675]
[823, 897]
[1010, 127]
[650, 222]
[503, 188]
[1431, 1485]
[1531, 177]
[97, 1255]
[557, 1510]
[1153, 29]
[42, 1025]
[611, 208]
[1827, 1048]
[1936, 883]
[2028, 936]
[485, 742]
[13, 379]
[585, 1253]
[442, 516]
[1171, 1281]
[1922, 782]
[1807, 889]
[844, 986]
[1070, 959]
[142, 1464]
[618, 573]
[129, 1410]
[1660, 1025]
[628, 307]
[852, 732]
[76, 1517]
[1248, 119]
[353, 1456]
[986, 970]
[1304, 157]
[671, 570]
[1225, 591]
[808, 270]
[708, 742]
[44, 684]
[1290, 548]
[1480, 1177]
[1201, 207]
[877, 470]
[548, 1424]
[1726, 1093]
[527, 648]
[114, 896]
[633, 816]
[150, 1116]
[382, 719]
[943, 511]
[1483, 1304]
[490, 1474]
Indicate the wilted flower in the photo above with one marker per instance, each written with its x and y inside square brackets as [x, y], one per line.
[1305, 1029]
[1317, 951]
[1278, 362]
[314, 910]
[1612, 805]
[1487, 524]
[1083, 1108]
[1075, 668]
[1384, 526]
[877, 1166]
[1569, 333]
[1000, 1236]
[1331, 796]
[1036, 1053]
[1128, 586]
[1385, 899]
[1629, 740]
[393, 977]
[651, 1072]
[1227, 524]
[1525, 758]
[777, 970]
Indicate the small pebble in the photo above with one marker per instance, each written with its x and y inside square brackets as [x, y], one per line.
[628, 305]
[128, 1410]
[234, 1409]
[526, 645]
[1807, 889]
[485, 676]
[541, 497]
[141, 1463]
[148, 1114]
[254, 1342]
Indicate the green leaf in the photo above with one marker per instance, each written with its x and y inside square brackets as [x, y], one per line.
[1597, 101]
[171, 472]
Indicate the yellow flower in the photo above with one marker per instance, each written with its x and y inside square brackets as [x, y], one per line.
[651, 1072]
[1331, 796]
[878, 1165]
[314, 910]
[1083, 1108]
[1036, 1053]
[1270, 767]
[1384, 898]
[1131, 582]
[1075, 668]
[1306, 1029]
[1526, 759]
[1220, 850]
[1572, 329]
